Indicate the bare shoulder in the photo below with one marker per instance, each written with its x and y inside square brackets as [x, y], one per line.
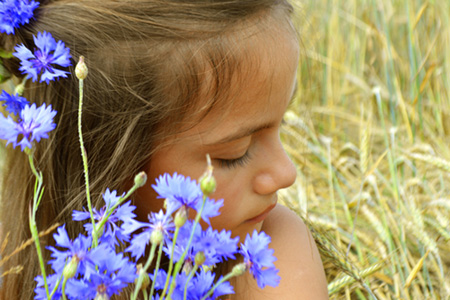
[301, 269]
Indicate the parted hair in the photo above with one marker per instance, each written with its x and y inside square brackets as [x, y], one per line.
[147, 62]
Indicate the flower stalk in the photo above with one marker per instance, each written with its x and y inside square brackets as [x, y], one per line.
[83, 149]
[37, 196]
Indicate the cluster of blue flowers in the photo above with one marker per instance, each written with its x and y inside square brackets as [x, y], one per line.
[103, 261]
[102, 271]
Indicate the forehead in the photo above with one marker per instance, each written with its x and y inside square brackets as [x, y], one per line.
[262, 82]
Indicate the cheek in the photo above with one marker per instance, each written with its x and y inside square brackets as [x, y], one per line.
[236, 202]
[145, 201]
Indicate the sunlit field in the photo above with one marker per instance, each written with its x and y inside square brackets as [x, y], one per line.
[370, 134]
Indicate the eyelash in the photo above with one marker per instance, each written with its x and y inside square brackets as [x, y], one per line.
[235, 162]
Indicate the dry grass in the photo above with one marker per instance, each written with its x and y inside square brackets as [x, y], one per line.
[373, 150]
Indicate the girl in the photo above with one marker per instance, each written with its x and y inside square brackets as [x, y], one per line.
[169, 82]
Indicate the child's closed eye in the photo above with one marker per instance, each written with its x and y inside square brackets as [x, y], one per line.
[234, 162]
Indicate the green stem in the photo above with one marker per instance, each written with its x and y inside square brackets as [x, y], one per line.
[181, 261]
[191, 274]
[35, 234]
[85, 162]
[169, 271]
[37, 196]
[56, 287]
[158, 261]
[111, 210]
[33, 168]
[63, 289]
[143, 271]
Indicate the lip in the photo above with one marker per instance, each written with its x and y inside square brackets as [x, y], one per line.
[262, 215]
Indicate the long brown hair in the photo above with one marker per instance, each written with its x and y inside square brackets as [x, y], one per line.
[146, 64]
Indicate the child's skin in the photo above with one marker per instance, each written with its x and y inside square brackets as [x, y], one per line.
[250, 166]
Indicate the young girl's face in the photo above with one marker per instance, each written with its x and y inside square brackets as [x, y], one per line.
[250, 164]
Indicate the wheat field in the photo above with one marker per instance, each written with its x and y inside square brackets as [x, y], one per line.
[370, 133]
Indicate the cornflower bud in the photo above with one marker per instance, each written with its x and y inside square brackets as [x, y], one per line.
[200, 258]
[71, 268]
[181, 217]
[140, 179]
[81, 70]
[101, 296]
[239, 269]
[145, 277]
[208, 268]
[187, 266]
[156, 237]
[207, 180]
[19, 89]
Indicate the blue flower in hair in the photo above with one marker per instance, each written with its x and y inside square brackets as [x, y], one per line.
[14, 13]
[13, 103]
[33, 125]
[44, 59]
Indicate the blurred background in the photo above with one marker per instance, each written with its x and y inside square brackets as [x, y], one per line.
[370, 134]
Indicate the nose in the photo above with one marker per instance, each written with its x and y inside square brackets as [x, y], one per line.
[277, 171]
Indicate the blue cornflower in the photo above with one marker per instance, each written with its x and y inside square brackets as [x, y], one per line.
[43, 60]
[216, 246]
[112, 233]
[157, 221]
[52, 280]
[13, 103]
[203, 282]
[113, 273]
[259, 259]
[183, 191]
[14, 13]
[180, 283]
[210, 209]
[78, 248]
[34, 124]
[182, 242]
[178, 191]
[160, 279]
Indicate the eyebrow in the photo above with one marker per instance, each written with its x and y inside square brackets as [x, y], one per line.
[251, 130]
[241, 133]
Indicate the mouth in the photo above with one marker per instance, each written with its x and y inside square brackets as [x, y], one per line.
[262, 216]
